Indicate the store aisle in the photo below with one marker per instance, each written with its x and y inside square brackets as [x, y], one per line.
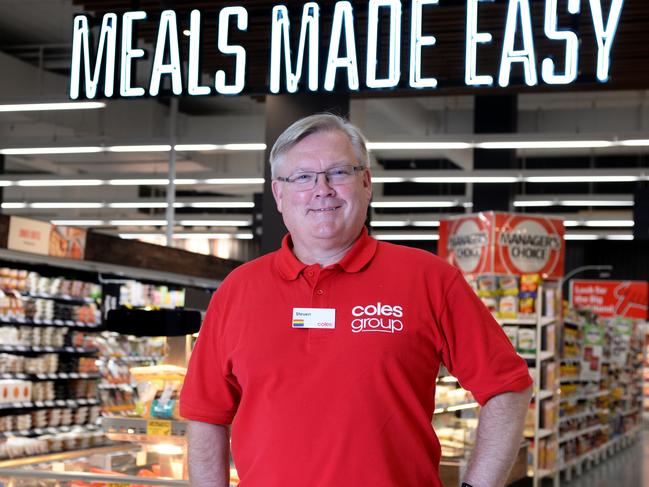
[628, 468]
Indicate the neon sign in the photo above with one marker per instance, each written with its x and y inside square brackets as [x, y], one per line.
[94, 66]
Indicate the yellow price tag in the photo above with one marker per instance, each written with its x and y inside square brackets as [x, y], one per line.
[115, 484]
[159, 428]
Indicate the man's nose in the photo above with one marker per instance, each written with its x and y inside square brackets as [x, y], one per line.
[322, 184]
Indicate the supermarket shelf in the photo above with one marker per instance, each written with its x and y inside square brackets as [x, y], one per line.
[67, 455]
[58, 403]
[48, 430]
[35, 349]
[545, 394]
[545, 320]
[71, 478]
[583, 415]
[571, 323]
[572, 378]
[52, 376]
[576, 434]
[542, 355]
[141, 429]
[582, 397]
[571, 360]
[542, 473]
[12, 320]
[456, 407]
[59, 297]
[152, 358]
[599, 449]
[542, 433]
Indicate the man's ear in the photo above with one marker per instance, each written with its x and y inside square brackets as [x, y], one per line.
[277, 193]
[367, 180]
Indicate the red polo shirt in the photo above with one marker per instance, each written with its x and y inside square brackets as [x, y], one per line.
[351, 405]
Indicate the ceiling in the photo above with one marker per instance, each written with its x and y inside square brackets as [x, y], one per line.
[36, 33]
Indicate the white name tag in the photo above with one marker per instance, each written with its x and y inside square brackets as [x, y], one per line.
[322, 318]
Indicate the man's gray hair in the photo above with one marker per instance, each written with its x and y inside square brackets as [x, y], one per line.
[312, 124]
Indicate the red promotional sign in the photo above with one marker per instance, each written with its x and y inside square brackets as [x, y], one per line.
[611, 298]
[465, 242]
[527, 244]
[503, 243]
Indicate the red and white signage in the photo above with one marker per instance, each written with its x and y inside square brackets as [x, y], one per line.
[611, 298]
[466, 242]
[503, 243]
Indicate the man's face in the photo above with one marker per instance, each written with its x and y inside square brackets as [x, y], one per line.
[327, 216]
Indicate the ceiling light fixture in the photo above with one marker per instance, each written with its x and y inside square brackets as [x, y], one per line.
[584, 178]
[234, 181]
[25, 151]
[139, 148]
[196, 147]
[78, 223]
[406, 236]
[65, 205]
[466, 179]
[215, 223]
[545, 144]
[245, 147]
[419, 145]
[221, 204]
[136, 223]
[635, 142]
[413, 204]
[59, 182]
[38, 107]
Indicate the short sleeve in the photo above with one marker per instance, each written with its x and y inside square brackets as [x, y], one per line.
[210, 392]
[475, 349]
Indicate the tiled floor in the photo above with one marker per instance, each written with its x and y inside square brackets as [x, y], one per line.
[627, 468]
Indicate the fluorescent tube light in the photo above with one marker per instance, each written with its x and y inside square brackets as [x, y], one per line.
[635, 142]
[196, 147]
[138, 204]
[215, 223]
[12, 206]
[533, 203]
[221, 204]
[580, 236]
[65, 205]
[245, 147]
[595, 202]
[406, 236]
[425, 223]
[466, 179]
[235, 181]
[34, 107]
[139, 148]
[136, 223]
[180, 236]
[618, 237]
[139, 182]
[609, 223]
[385, 223]
[78, 223]
[24, 151]
[585, 178]
[418, 145]
[546, 144]
[4, 182]
[413, 204]
[59, 182]
[387, 179]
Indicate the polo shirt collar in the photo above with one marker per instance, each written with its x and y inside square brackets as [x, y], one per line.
[358, 256]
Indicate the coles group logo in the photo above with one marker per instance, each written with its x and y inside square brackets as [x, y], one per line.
[468, 244]
[383, 318]
[530, 245]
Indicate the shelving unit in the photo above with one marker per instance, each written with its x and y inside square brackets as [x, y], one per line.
[600, 404]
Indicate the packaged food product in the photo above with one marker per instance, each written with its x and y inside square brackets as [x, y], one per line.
[526, 340]
[508, 307]
[490, 303]
[527, 303]
[530, 282]
[508, 285]
[512, 334]
[487, 286]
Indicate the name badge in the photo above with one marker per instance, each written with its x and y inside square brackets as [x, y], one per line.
[321, 318]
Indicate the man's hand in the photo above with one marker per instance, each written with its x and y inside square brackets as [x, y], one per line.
[500, 431]
[209, 454]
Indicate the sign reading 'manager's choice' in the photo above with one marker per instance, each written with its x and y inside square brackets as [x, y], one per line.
[503, 243]
[340, 69]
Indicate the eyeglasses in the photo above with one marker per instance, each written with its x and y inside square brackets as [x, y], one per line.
[306, 180]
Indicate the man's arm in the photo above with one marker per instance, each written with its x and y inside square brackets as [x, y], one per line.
[209, 454]
[500, 431]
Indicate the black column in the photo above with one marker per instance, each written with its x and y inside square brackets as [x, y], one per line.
[641, 213]
[282, 111]
[494, 114]
[2, 171]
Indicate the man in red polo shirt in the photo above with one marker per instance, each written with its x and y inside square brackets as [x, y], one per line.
[323, 355]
